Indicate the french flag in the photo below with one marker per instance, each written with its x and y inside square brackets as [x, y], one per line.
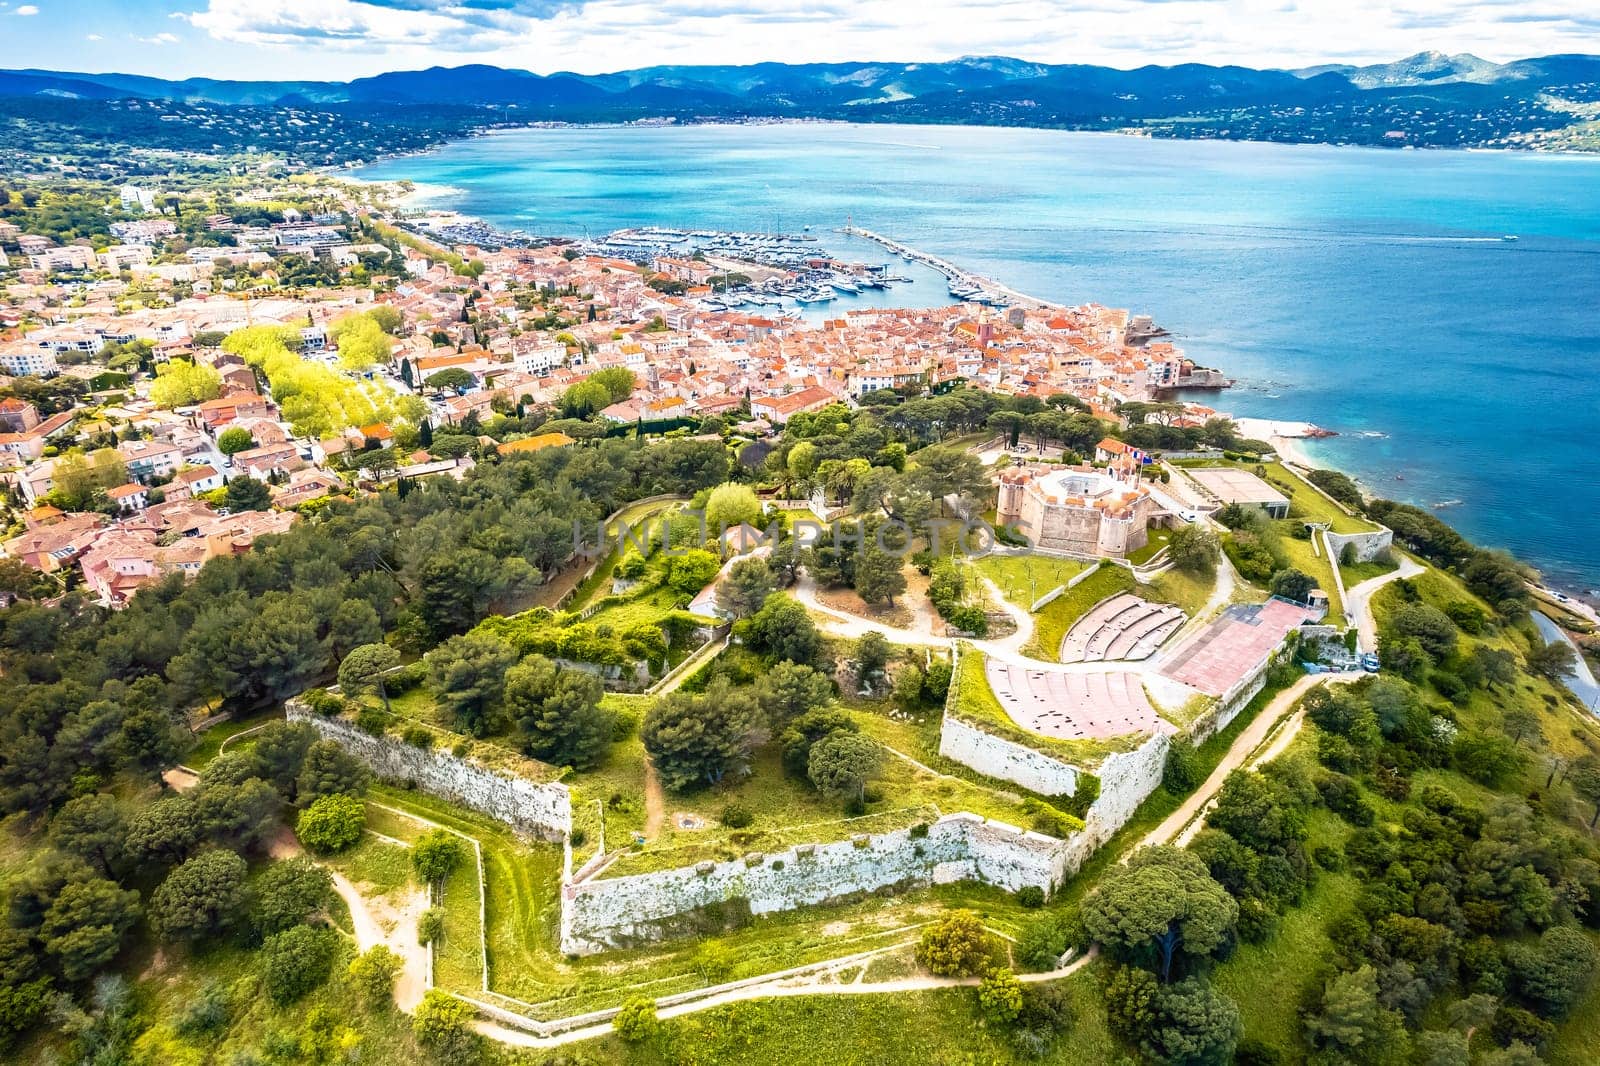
[1143, 457]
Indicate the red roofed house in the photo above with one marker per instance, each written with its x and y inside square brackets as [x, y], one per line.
[779, 409]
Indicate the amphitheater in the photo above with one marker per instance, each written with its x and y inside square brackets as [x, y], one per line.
[1123, 627]
[1074, 705]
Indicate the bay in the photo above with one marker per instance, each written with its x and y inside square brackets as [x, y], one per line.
[1369, 291]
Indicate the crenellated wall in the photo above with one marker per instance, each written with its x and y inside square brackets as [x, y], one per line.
[541, 810]
[599, 914]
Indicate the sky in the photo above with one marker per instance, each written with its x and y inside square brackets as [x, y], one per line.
[342, 39]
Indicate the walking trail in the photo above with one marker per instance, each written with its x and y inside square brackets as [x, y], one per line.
[808, 985]
[374, 921]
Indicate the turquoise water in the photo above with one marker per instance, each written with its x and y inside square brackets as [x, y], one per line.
[1366, 290]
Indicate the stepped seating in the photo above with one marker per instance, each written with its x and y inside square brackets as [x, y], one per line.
[1074, 706]
[1123, 627]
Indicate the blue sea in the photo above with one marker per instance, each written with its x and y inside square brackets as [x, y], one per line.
[1368, 291]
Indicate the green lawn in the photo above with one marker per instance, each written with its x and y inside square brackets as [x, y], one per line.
[1056, 617]
[209, 741]
[1356, 573]
[1306, 504]
[1024, 578]
[1189, 591]
[1158, 537]
[935, 1028]
[1316, 564]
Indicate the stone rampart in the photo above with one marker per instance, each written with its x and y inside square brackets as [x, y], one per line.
[540, 810]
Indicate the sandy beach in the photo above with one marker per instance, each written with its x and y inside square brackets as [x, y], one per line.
[1288, 438]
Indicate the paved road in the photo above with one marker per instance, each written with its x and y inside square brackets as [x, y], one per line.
[1358, 600]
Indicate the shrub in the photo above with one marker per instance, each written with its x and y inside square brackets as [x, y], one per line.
[323, 702]
[405, 678]
[737, 816]
[373, 720]
[441, 1023]
[207, 1013]
[1030, 896]
[1000, 996]
[436, 854]
[418, 737]
[714, 961]
[331, 823]
[1183, 772]
[296, 961]
[430, 927]
[956, 945]
[373, 973]
[636, 1021]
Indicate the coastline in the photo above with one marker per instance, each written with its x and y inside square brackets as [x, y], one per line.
[1288, 437]
[674, 122]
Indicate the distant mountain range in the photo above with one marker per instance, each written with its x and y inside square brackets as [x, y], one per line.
[1426, 99]
[789, 88]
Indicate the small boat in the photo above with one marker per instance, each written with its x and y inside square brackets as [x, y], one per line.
[845, 286]
[1509, 237]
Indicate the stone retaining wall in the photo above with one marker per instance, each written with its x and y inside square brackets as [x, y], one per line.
[1006, 760]
[1368, 546]
[540, 810]
[603, 913]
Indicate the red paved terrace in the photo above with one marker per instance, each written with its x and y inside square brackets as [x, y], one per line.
[1074, 706]
[1224, 652]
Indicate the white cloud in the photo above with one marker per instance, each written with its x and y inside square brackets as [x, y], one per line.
[158, 40]
[93, 37]
[604, 35]
[27, 9]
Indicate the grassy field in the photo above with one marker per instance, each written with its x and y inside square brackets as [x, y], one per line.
[1158, 537]
[209, 741]
[1024, 578]
[1356, 573]
[1316, 563]
[1306, 504]
[937, 1028]
[1056, 617]
[1189, 591]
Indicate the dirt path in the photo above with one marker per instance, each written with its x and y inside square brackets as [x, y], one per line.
[810, 985]
[655, 801]
[1182, 824]
[377, 921]
[843, 624]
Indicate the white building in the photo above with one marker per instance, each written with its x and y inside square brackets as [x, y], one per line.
[38, 362]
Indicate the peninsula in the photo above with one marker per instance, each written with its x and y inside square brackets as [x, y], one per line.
[431, 643]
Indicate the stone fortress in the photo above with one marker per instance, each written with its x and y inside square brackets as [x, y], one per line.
[1078, 510]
